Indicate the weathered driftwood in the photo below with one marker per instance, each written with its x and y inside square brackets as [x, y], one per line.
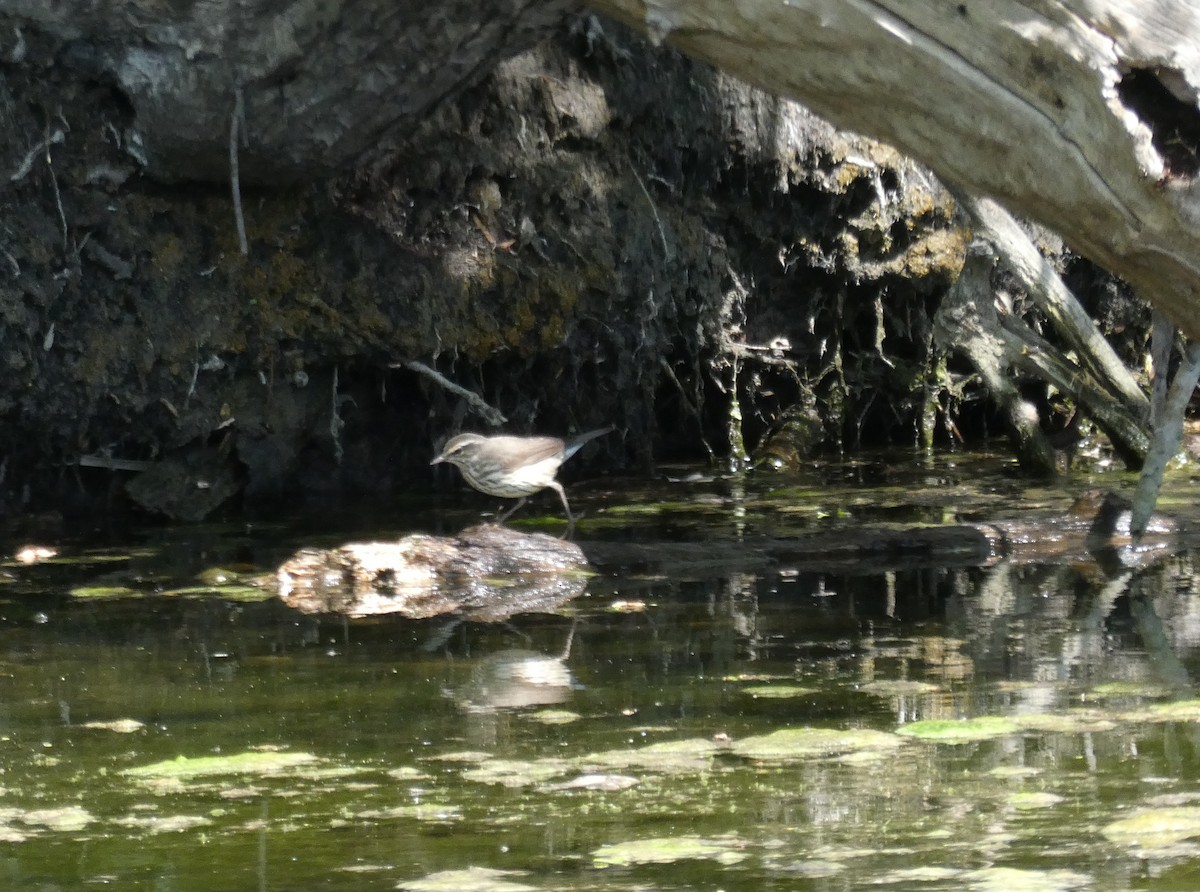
[995, 342]
[486, 573]
[1080, 114]
[1051, 296]
[967, 321]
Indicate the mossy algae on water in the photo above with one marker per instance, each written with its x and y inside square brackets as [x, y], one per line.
[190, 768]
[960, 730]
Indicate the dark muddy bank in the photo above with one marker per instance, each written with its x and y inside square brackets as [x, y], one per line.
[596, 232]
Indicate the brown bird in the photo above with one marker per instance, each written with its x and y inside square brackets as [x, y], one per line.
[514, 467]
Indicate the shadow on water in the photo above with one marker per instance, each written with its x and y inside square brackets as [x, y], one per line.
[168, 724]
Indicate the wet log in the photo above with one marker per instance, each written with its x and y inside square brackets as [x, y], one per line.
[487, 573]
[1095, 531]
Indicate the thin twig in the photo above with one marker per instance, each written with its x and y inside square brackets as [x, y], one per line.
[12, 261]
[235, 184]
[192, 387]
[662, 232]
[113, 464]
[62, 216]
[489, 414]
[335, 422]
[26, 165]
[692, 408]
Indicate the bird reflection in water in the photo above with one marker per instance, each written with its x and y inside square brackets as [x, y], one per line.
[519, 679]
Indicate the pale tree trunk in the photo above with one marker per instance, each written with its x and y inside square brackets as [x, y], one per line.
[1080, 114]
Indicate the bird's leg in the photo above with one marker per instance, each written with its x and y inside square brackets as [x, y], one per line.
[562, 494]
[505, 516]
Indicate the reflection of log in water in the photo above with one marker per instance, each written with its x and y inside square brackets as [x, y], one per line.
[486, 573]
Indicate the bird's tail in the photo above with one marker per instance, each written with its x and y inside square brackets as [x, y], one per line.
[574, 444]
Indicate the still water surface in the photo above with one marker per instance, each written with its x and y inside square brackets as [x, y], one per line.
[162, 728]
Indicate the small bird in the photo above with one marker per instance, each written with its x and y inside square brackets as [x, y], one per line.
[514, 467]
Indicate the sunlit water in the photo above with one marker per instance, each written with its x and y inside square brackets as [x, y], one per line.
[620, 744]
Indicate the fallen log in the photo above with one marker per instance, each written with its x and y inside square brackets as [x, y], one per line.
[1094, 531]
[489, 573]
[486, 573]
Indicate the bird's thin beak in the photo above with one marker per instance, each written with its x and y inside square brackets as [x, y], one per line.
[438, 460]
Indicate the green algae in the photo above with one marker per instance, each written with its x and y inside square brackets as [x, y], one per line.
[1033, 800]
[1119, 689]
[184, 768]
[777, 691]
[898, 688]
[430, 812]
[553, 716]
[1076, 721]
[984, 727]
[64, 819]
[1006, 879]
[668, 850]
[806, 743]
[476, 879]
[1176, 711]
[668, 757]
[516, 773]
[1155, 828]
[103, 592]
